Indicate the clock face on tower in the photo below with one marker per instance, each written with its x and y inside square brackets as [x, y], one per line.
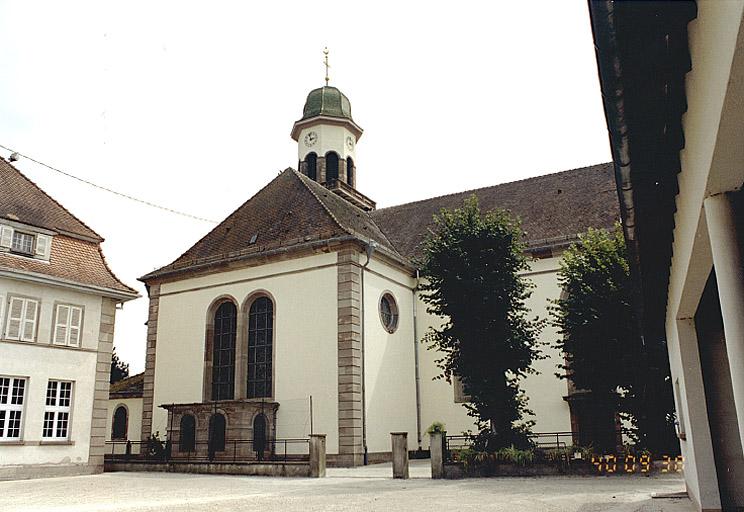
[311, 138]
[350, 142]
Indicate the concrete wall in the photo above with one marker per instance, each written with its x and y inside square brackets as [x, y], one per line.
[330, 138]
[390, 363]
[390, 383]
[305, 349]
[134, 421]
[40, 361]
[545, 390]
[711, 164]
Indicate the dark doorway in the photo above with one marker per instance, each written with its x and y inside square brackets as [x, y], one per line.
[119, 424]
[187, 434]
[719, 398]
[259, 435]
[216, 435]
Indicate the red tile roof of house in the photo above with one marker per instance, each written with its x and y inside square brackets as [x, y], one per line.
[75, 256]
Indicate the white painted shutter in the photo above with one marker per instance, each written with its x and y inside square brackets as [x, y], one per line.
[76, 320]
[43, 246]
[6, 236]
[15, 319]
[60, 324]
[29, 320]
[2, 308]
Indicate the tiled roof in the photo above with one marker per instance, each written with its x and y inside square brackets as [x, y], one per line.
[73, 260]
[291, 210]
[131, 387]
[551, 207]
[75, 253]
[23, 201]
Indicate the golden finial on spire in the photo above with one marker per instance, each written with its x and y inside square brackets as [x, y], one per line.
[325, 61]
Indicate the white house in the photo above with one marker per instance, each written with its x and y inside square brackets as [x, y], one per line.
[58, 302]
[672, 75]
[299, 312]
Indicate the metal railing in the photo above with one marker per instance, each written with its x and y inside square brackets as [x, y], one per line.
[234, 451]
[543, 441]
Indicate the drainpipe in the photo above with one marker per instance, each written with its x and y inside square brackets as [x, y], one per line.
[369, 249]
[416, 359]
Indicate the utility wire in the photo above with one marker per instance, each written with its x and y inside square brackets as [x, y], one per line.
[100, 187]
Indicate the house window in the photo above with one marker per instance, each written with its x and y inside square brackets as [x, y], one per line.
[187, 433]
[260, 341]
[22, 317]
[12, 392]
[119, 423]
[68, 323]
[389, 312]
[22, 243]
[57, 410]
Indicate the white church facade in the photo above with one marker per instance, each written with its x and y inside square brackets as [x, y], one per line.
[299, 313]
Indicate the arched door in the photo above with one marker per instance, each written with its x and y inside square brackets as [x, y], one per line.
[259, 435]
[216, 434]
[119, 423]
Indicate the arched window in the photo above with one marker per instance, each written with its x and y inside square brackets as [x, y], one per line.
[187, 434]
[223, 352]
[350, 171]
[311, 164]
[260, 340]
[331, 161]
[119, 423]
[217, 433]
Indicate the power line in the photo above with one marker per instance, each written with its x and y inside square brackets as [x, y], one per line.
[106, 189]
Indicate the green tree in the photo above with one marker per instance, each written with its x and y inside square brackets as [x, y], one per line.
[471, 268]
[600, 337]
[119, 369]
[595, 319]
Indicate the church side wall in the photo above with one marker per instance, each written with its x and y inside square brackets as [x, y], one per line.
[304, 291]
[390, 383]
[545, 390]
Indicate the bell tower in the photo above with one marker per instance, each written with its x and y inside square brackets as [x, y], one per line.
[326, 137]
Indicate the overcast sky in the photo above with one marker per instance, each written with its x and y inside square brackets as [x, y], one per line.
[190, 105]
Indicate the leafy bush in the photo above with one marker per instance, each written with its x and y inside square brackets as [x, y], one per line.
[436, 428]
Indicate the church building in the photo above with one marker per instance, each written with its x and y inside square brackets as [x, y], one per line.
[300, 314]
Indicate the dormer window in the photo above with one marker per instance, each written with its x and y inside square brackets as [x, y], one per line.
[23, 243]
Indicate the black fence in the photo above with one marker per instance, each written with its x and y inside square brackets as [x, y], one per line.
[542, 440]
[234, 451]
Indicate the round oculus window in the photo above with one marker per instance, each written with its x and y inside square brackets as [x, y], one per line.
[388, 312]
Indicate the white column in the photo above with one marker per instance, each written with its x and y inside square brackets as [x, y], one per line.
[728, 263]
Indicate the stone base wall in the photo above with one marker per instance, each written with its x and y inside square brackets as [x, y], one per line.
[291, 469]
[239, 416]
[27, 472]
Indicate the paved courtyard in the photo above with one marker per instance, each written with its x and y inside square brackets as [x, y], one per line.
[369, 488]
